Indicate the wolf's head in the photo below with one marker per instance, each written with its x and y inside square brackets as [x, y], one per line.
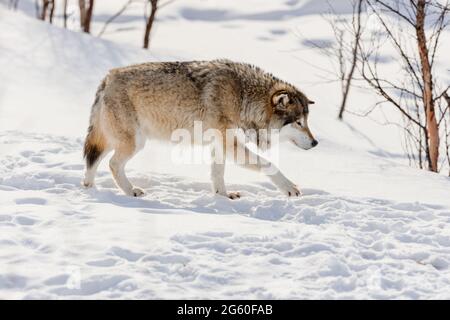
[290, 109]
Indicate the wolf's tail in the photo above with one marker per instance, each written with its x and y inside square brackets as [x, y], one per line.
[95, 143]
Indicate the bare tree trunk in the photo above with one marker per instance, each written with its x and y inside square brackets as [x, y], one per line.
[90, 10]
[65, 13]
[43, 14]
[86, 14]
[52, 11]
[355, 48]
[428, 101]
[149, 24]
[82, 6]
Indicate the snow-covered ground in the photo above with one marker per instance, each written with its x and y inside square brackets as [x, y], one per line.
[367, 226]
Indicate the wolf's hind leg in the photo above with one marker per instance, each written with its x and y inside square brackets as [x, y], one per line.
[218, 172]
[217, 178]
[91, 170]
[122, 155]
[95, 149]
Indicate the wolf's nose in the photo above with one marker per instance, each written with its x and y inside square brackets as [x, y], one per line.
[314, 143]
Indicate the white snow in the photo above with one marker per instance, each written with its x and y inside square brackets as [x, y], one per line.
[367, 226]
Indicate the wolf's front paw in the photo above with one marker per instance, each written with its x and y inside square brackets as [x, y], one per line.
[137, 192]
[230, 195]
[234, 195]
[286, 186]
[87, 184]
[292, 191]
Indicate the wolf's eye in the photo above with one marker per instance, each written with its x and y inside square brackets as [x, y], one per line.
[299, 122]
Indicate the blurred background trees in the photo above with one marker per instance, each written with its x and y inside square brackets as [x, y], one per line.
[412, 28]
[86, 11]
[46, 10]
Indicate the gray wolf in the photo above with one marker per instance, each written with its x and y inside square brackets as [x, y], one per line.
[151, 100]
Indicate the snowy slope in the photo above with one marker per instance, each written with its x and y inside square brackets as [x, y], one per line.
[367, 226]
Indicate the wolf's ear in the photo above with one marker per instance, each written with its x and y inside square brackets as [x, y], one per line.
[280, 101]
